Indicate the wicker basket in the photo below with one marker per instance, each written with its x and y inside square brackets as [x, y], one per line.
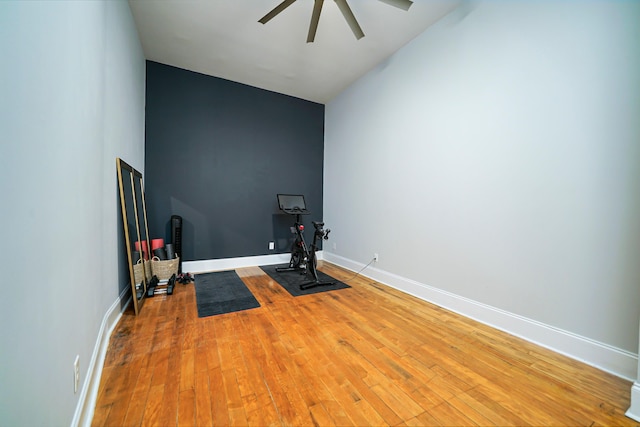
[138, 274]
[164, 269]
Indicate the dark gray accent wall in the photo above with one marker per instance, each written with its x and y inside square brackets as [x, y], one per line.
[218, 152]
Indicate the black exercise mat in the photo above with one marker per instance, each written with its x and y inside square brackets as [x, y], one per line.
[222, 292]
[291, 281]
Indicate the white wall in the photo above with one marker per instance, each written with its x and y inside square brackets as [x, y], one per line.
[71, 100]
[496, 158]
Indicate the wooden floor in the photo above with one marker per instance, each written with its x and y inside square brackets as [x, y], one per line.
[368, 355]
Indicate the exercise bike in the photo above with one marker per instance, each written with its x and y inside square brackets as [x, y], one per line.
[303, 259]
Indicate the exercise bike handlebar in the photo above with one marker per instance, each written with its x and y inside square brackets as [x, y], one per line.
[296, 210]
[319, 231]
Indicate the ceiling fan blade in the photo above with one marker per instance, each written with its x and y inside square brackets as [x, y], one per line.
[401, 4]
[351, 20]
[276, 10]
[315, 17]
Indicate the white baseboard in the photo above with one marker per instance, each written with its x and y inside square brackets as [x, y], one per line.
[634, 409]
[616, 361]
[89, 392]
[203, 266]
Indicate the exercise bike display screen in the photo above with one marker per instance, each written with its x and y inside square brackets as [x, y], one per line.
[292, 203]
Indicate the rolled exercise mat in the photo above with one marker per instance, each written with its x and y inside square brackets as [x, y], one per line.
[157, 243]
[170, 253]
[143, 245]
[160, 253]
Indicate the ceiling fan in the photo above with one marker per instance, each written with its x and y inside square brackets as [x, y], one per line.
[344, 8]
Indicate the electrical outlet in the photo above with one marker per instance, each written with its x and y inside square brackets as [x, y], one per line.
[334, 246]
[375, 257]
[272, 246]
[76, 374]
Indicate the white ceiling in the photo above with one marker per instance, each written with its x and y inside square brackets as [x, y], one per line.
[223, 38]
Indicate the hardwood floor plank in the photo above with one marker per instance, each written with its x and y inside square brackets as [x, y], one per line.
[168, 414]
[353, 368]
[218, 398]
[187, 369]
[365, 355]
[153, 406]
[275, 376]
[334, 390]
[319, 416]
[259, 406]
[493, 407]
[110, 383]
[476, 413]
[520, 402]
[101, 413]
[487, 415]
[426, 419]
[405, 407]
[160, 364]
[123, 395]
[202, 400]
[235, 404]
[447, 415]
[139, 397]
[187, 408]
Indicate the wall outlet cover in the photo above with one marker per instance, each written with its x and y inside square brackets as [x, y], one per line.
[76, 374]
